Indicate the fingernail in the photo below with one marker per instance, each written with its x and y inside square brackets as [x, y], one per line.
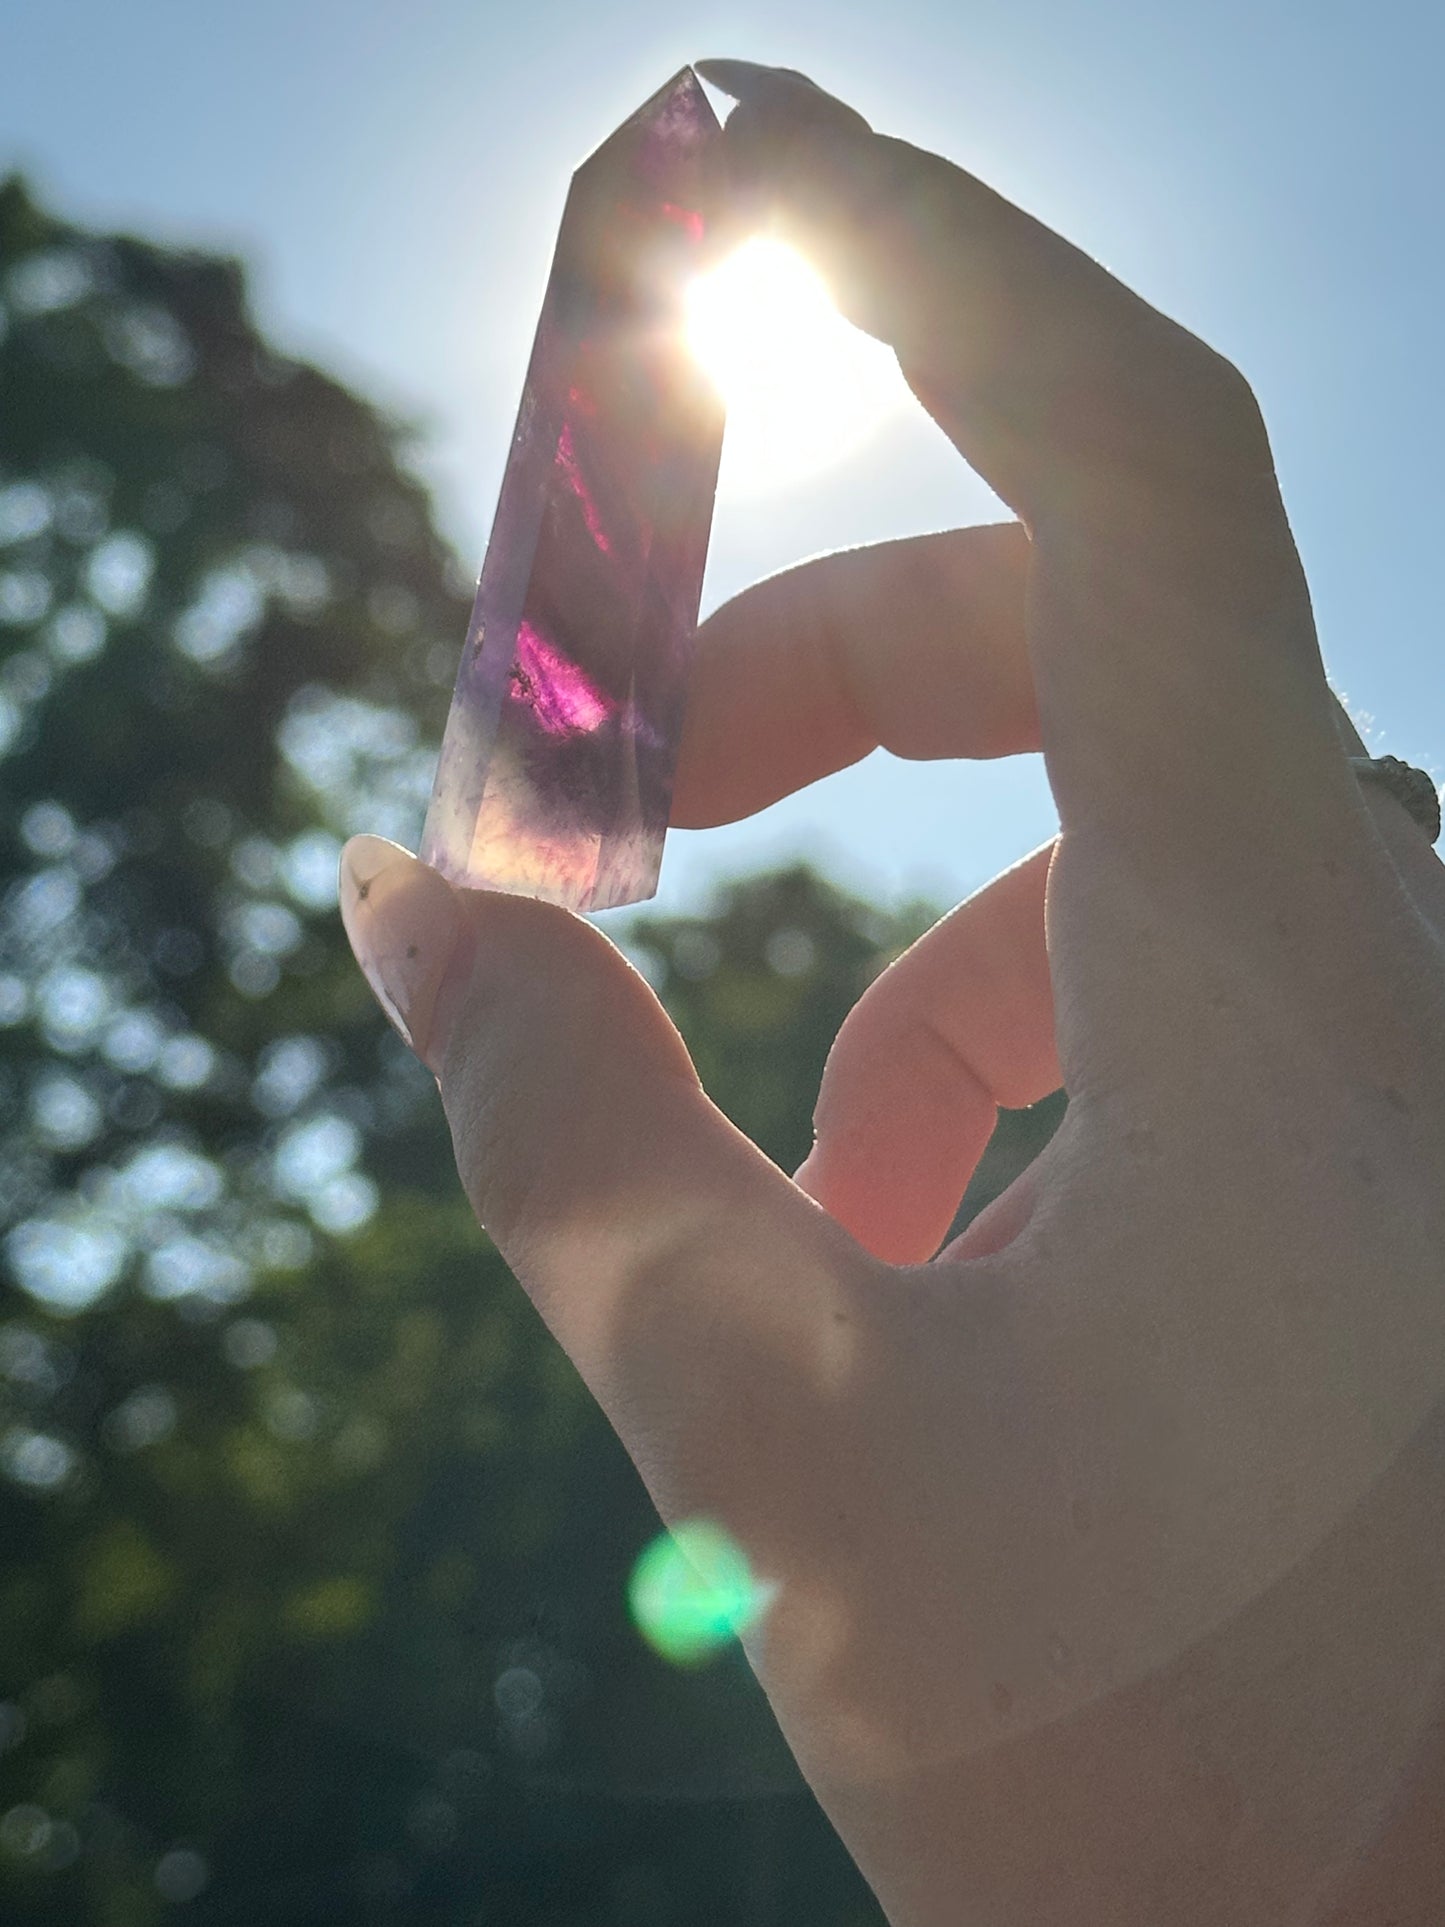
[783, 88]
[747, 80]
[403, 922]
[806, 1175]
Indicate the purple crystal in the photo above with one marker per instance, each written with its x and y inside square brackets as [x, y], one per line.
[556, 768]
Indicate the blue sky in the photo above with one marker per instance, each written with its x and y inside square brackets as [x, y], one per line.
[1270, 174]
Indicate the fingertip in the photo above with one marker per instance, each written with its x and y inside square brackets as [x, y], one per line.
[750, 79]
[403, 921]
[806, 1176]
[778, 106]
[901, 1221]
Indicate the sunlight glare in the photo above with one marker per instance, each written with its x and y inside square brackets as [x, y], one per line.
[803, 388]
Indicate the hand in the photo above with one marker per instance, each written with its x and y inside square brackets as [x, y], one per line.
[1108, 1579]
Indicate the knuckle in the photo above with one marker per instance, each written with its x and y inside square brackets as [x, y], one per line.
[1228, 409]
[1175, 440]
[1201, 424]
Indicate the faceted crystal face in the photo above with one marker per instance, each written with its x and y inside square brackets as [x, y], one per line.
[556, 767]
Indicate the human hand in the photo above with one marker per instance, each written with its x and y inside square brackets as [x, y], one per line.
[1106, 1573]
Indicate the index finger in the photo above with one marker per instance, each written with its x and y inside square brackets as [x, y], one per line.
[1182, 701]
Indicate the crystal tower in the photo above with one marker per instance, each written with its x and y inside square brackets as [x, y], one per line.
[556, 768]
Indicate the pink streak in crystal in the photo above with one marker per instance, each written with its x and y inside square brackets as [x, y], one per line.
[562, 698]
[686, 218]
[556, 768]
[567, 462]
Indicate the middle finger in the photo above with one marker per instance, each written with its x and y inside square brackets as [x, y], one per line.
[915, 646]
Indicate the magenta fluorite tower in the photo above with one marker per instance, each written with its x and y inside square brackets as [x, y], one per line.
[556, 768]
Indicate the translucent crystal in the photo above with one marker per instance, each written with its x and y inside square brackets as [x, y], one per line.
[556, 767]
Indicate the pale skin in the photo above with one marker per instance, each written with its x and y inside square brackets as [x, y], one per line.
[1109, 1586]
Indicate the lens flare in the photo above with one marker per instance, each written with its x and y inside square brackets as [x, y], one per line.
[692, 1591]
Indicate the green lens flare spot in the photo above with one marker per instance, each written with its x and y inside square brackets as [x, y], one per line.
[692, 1591]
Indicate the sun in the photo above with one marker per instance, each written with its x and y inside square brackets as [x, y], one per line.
[804, 390]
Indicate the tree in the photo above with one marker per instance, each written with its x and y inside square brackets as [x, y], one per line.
[312, 1603]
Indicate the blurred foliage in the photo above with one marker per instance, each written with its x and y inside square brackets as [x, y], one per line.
[312, 1597]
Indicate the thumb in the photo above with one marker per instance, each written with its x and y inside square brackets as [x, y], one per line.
[651, 1234]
